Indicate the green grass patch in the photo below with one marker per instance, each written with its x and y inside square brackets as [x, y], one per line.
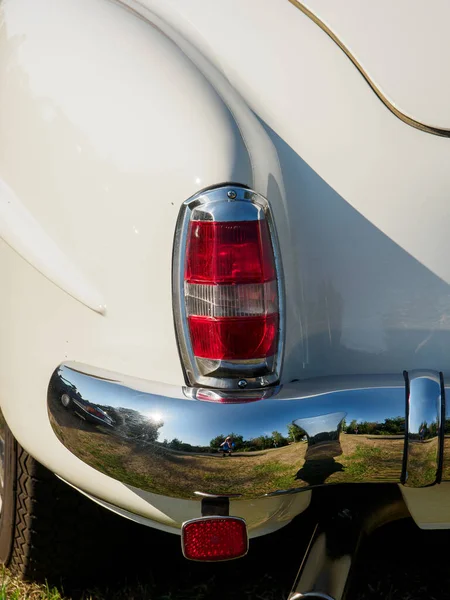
[114, 466]
[271, 468]
[12, 588]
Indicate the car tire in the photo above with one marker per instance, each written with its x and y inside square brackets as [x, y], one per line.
[50, 531]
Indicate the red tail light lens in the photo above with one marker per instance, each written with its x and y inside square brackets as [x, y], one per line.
[229, 252]
[214, 539]
[234, 338]
[228, 291]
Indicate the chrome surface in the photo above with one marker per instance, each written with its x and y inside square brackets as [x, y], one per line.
[215, 204]
[285, 439]
[326, 566]
[336, 539]
[422, 449]
[166, 439]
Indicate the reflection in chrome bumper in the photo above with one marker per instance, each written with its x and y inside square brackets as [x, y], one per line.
[166, 440]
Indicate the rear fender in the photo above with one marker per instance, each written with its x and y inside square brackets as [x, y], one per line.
[106, 127]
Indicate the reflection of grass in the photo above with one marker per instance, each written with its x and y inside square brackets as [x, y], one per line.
[364, 460]
[270, 468]
[175, 473]
[367, 453]
[422, 463]
[114, 466]
[280, 475]
[369, 459]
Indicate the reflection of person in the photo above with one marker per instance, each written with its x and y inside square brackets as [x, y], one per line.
[422, 433]
[227, 446]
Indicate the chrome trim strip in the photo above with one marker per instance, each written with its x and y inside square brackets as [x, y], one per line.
[242, 205]
[423, 429]
[166, 439]
[395, 111]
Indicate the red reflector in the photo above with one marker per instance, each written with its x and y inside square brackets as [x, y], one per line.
[234, 338]
[229, 252]
[214, 539]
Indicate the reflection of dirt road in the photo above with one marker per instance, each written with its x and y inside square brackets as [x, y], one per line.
[252, 474]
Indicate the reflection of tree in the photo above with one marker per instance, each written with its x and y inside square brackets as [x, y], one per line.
[433, 429]
[180, 446]
[391, 426]
[295, 433]
[133, 425]
[279, 439]
[425, 431]
[262, 442]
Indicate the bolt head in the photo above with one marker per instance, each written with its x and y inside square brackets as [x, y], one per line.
[242, 383]
[231, 194]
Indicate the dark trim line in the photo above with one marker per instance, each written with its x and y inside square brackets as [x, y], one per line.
[405, 450]
[441, 431]
[408, 120]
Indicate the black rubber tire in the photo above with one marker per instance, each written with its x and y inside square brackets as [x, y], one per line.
[50, 531]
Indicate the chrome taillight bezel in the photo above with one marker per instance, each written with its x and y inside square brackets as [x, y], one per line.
[226, 203]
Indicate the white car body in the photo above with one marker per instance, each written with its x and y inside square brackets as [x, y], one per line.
[113, 114]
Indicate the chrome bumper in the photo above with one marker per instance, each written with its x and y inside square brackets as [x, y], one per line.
[165, 439]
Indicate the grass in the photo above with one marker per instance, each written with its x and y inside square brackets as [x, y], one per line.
[13, 589]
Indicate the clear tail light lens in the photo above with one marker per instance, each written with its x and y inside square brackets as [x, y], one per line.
[227, 290]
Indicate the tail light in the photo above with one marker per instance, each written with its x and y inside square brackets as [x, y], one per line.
[227, 290]
[214, 538]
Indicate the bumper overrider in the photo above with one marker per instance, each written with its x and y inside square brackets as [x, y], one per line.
[167, 440]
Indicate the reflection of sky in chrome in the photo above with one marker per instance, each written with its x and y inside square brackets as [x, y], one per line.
[425, 394]
[192, 424]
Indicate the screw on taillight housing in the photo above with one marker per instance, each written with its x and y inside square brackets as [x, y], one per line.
[228, 290]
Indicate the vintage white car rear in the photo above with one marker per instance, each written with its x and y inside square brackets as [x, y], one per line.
[223, 255]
